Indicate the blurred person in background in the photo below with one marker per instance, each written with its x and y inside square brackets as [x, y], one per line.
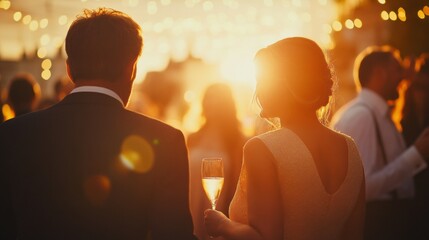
[415, 114]
[1, 105]
[88, 168]
[389, 165]
[304, 180]
[220, 136]
[23, 94]
[1, 110]
[415, 118]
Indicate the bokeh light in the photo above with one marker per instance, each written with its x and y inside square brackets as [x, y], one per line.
[152, 7]
[26, 19]
[393, 16]
[190, 96]
[133, 3]
[137, 154]
[358, 23]
[222, 33]
[402, 14]
[97, 189]
[46, 64]
[17, 16]
[349, 24]
[46, 74]
[337, 26]
[43, 23]
[45, 39]
[426, 10]
[165, 2]
[421, 14]
[4, 4]
[384, 15]
[208, 6]
[42, 52]
[62, 20]
[34, 25]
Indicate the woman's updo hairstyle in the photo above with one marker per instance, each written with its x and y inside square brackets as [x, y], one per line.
[296, 66]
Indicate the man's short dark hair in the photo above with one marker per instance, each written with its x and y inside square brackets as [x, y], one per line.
[372, 58]
[101, 44]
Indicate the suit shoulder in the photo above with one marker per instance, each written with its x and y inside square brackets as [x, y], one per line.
[16, 121]
[144, 120]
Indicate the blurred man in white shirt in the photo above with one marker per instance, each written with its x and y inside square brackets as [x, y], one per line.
[389, 166]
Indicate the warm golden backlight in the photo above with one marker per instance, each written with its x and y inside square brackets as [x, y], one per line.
[137, 154]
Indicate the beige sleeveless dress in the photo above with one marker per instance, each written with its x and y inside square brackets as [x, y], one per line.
[309, 212]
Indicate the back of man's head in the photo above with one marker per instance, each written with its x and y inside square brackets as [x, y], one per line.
[101, 44]
[370, 59]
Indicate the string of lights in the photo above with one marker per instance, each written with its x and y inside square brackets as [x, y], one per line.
[209, 28]
[212, 30]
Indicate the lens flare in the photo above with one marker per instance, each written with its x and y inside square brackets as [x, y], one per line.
[137, 154]
[97, 189]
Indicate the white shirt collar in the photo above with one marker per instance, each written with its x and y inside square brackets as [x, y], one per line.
[375, 101]
[97, 89]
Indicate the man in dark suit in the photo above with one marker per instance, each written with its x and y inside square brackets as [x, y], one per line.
[87, 168]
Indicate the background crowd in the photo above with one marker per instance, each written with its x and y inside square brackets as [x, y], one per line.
[221, 134]
[394, 149]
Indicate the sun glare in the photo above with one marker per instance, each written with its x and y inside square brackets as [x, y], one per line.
[137, 154]
[238, 70]
[223, 34]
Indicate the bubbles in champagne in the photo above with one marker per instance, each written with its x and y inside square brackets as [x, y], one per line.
[213, 186]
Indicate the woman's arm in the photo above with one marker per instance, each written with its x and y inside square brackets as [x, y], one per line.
[264, 201]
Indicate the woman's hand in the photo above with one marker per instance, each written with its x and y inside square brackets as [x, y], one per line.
[215, 221]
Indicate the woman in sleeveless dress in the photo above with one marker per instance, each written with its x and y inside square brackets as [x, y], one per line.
[302, 181]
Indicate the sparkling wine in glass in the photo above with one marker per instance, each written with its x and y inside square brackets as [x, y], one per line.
[212, 176]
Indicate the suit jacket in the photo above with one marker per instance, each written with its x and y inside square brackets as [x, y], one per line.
[87, 168]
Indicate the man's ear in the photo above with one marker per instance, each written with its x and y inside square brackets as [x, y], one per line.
[68, 70]
[134, 71]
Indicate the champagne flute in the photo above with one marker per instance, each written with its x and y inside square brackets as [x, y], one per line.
[212, 177]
